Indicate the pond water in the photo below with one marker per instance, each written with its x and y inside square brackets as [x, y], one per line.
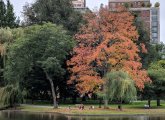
[7, 115]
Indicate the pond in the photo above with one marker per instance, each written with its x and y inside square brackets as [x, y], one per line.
[8, 115]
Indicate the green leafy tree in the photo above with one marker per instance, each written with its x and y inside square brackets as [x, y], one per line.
[119, 86]
[156, 72]
[55, 11]
[46, 47]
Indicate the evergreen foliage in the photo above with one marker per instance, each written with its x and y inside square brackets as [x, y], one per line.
[2, 14]
[10, 16]
[7, 16]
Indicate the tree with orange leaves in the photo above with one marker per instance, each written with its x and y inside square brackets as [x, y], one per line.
[106, 43]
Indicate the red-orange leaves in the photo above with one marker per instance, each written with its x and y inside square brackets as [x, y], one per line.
[106, 43]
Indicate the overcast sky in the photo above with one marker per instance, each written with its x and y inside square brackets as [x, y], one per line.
[96, 3]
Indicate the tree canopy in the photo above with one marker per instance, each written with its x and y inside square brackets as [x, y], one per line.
[106, 43]
[55, 11]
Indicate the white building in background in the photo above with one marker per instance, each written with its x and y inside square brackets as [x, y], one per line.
[80, 5]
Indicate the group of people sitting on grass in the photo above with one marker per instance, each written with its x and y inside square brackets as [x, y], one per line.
[82, 107]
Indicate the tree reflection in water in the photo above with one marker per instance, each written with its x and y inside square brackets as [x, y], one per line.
[10, 115]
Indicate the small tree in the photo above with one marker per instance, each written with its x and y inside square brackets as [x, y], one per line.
[119, 86]
[143, 4]
[126, 5]
[149, 4]
[157, 4]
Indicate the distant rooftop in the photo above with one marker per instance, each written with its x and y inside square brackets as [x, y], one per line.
[128, 0]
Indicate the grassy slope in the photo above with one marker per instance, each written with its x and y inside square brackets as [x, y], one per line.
[134, 108]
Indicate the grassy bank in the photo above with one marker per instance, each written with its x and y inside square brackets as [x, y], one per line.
[134, 108]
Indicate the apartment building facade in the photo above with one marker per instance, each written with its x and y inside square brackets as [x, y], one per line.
[155, 24]
[150, 16]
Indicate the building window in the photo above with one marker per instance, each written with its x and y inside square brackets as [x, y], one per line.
[154, 29]
[139, 3]
[154, 12]
[113, 5]
[155, 40]
[154, 24]
[154, 18]
[155, 35]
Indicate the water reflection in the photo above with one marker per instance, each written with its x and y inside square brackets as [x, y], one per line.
[27, 116]
[119, 118]
[7, 115]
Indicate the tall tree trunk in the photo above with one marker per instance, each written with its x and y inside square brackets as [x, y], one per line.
[120, 105]
[100, 102]
[83, 99]
[149, 102]
[105, 103]
[105, 98]
[53, 90]
[158, 101]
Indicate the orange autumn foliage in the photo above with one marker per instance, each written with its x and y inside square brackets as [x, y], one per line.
[106, 43]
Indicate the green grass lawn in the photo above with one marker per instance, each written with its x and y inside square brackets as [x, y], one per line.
[132, 108]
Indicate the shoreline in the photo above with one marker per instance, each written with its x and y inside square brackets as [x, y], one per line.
[83, 115]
